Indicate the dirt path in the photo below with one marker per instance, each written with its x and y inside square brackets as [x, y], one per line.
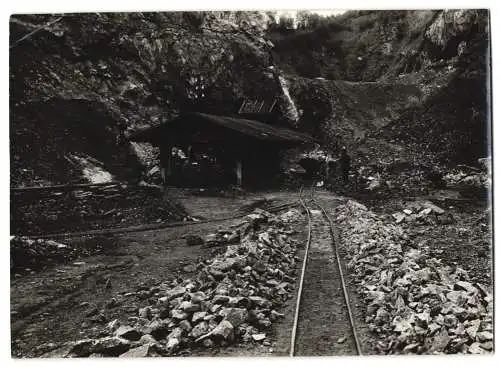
[76, 300]
[61, 303]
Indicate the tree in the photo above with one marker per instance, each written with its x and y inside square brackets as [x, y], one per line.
[286, 22]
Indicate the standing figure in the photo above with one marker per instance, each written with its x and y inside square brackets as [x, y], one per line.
[337, 142]
[122, 128]
[345, 164]
[177, 164]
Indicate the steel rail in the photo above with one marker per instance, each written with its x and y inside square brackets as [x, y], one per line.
[38, 29]
[152, 227]
[304, 264]
[68, 187]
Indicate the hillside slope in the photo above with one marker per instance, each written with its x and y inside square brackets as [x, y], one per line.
[352, 109]
[73, 82]
[435, 62]
[389, 79]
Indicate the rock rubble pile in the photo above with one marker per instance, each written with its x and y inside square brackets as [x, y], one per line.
[424, 212]
[234, 297]
[27, 254]
[46, 211]
[414, 303]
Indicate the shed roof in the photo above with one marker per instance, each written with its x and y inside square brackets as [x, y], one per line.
[252, 128]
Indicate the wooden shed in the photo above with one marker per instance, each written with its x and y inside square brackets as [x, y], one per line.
[250, 147]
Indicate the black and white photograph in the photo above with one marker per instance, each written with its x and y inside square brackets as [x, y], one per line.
[250, 183]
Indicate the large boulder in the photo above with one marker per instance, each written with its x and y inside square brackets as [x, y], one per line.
[147, 350]
[110, 346]
[129, 333]
[236, 316]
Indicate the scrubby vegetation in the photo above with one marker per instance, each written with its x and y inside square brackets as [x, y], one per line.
[442, 53]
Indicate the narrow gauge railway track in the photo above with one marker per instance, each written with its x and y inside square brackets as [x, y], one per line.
[156, 226]
[323, 323]
[88, 186]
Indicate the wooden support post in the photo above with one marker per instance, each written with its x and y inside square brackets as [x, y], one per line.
[327, 170]
[169, 163]
[189, 153]
[239, 177]
[165, 162]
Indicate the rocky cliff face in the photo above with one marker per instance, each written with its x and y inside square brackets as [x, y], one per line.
[414, 82]
[370, 45]
[74, 81]
[150, 60]
[452, 28]
[454, 120]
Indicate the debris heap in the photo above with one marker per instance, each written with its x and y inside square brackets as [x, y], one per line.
[49, 210]
[423, 212]
[234, 297]
[27, 253]
[414, 303]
